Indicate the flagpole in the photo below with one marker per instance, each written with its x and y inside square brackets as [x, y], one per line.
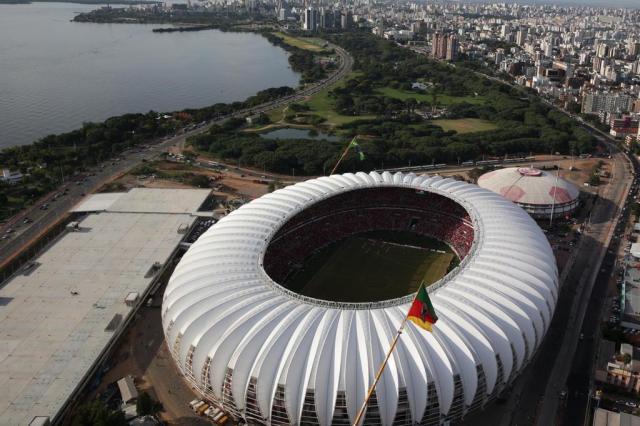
[380, 371]
[344, 153]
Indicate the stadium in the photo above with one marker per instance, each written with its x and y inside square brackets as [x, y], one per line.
[539, 193]
[272, 348]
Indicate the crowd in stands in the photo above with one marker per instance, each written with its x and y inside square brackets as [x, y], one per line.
[360, 211]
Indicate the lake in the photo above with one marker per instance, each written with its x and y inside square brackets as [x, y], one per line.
[56, 74]
[290, 133]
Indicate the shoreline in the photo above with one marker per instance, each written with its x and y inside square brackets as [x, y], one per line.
[180, 27]
[140, 129]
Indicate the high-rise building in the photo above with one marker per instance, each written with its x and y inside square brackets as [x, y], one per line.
[326, 18]
[452, 48]
[594, 103]
[602, 50]
[444, 46]
[283, 14]
[346, 20]
[584, 58]
[521, 36]
[435, 42]
[311, 19]
[504, 30]
[547, 48]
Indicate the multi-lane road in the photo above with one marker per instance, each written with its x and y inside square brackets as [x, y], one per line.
[25, 227]
[580, 304]
[564, 361]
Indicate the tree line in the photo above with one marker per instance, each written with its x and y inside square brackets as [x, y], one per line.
[397, 137]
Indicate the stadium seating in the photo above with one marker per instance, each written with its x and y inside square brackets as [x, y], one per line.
[365, 210]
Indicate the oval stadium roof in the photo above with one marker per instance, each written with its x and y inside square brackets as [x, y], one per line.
[256, 348]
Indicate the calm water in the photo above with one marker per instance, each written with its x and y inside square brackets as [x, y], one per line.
[289, 133]
[55, 74]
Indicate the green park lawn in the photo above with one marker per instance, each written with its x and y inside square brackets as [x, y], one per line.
[465, 125]
[312, 44]
[321, 104]
[442, 99]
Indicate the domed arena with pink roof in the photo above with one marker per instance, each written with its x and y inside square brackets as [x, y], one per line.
[540, 193]
[266, 354]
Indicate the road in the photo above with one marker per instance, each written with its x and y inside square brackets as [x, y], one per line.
[580, 380]
[19, 235]
[534, 397]
[582, 295]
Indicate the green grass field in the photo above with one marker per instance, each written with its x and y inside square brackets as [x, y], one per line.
[312, 44]
[322, 104]
[367, 268]
[465, 125]
[441, 99]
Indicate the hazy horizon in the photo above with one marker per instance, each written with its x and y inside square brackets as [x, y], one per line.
[629, 4]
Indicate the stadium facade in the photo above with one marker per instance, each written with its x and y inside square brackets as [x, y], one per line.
[269, 355]
[538, 192]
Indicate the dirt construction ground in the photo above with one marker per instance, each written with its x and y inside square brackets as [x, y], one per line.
[144, 354]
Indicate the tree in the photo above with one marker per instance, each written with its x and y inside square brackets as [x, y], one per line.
[274, 185]
[200, 181]
[411, 105]
[145, 405]
[96, 413]
[475, 173]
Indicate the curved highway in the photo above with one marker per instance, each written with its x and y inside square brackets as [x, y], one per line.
[32, 223]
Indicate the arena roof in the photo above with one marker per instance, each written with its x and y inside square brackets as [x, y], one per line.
[526, 185]
[97, 202]
[222, 311]
[146, 200]
[57, 316]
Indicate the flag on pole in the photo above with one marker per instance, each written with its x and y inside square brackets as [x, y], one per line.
[356, 147]
[421, 311]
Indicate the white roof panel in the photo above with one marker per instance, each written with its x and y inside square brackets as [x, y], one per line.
[497, 303]
[97, 202]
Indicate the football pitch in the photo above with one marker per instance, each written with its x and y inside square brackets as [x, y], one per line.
[372, 267]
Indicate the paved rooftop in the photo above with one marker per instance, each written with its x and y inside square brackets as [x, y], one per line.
[55, 316]
[631, 308]
[157, 200]
[604, 417]
[145, 200]
[97, 202]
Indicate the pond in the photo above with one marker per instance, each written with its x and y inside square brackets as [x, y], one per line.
[289, 133]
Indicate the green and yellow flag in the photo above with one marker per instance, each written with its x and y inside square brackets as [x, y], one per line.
[421, 311]
[356, 147]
